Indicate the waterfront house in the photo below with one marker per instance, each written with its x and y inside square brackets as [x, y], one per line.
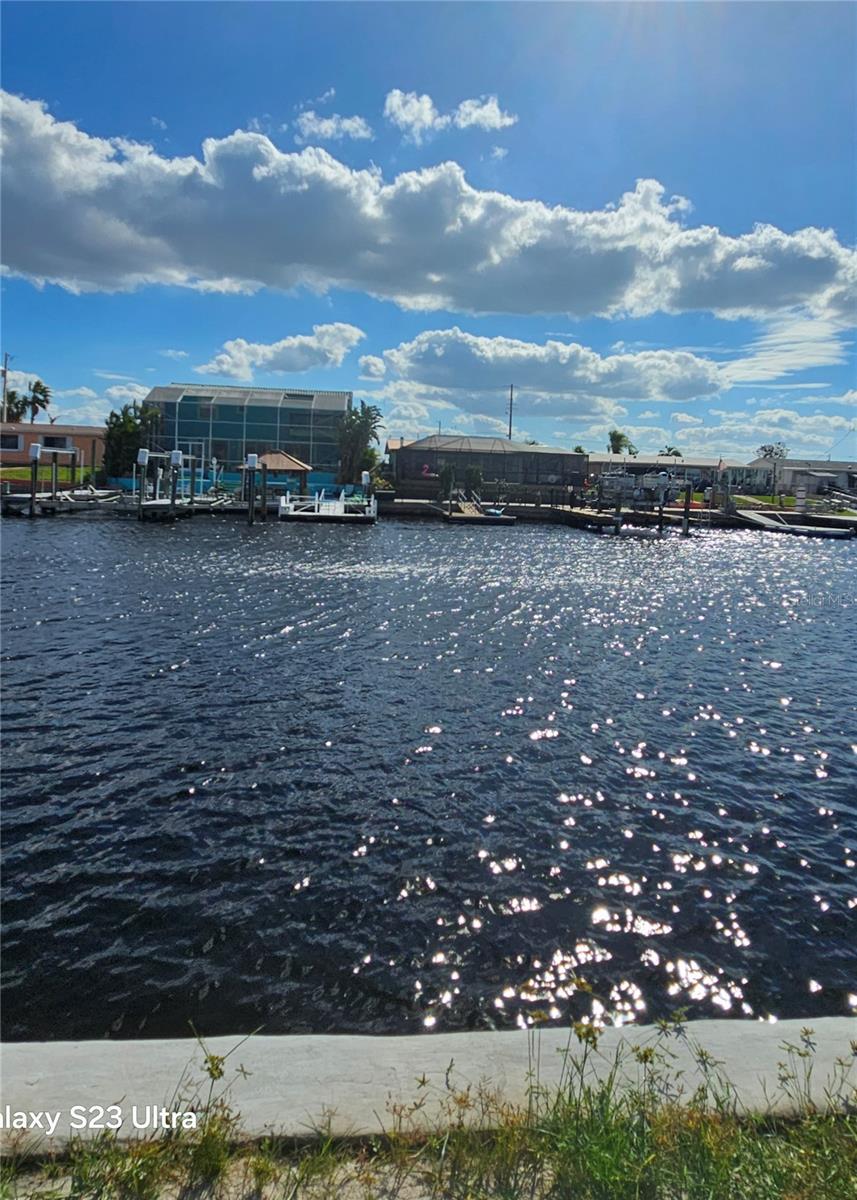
[528, 469]
[228, 423]
[16, 437]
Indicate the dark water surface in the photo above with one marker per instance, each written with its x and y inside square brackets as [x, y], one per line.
[417, 777]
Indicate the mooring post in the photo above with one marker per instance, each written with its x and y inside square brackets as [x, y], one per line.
[54, 476]
[142, 473]
[35, 455]
[263, 515]
[175, 466]
[685, 520]
[192, 482]
[252, 460]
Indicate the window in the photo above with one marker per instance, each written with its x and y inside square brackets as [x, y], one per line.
[10, 441]
[55, 442]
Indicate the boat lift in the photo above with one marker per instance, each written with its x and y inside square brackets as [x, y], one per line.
[36, 452]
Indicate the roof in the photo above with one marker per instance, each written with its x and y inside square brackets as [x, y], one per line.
[397, 444]
[45, 427]
[661, 460]
[278, 460]
[806, 464]
[263, 397]
[484, 445]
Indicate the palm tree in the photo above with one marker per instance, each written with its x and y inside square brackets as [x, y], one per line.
[16, 406]
[578, 450]
[670, 452]
[358, 429]
[38, 399]
[619, 443]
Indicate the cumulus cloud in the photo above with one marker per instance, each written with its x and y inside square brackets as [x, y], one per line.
[126, 393]
[484, 113]
[683, 418]
[454, 360]
[177, 355]
[86, 393]
[326, 346]
[93, 213]
[415, 115]
[498, 153]
[334, 128]
[158, 123]
[372, 367]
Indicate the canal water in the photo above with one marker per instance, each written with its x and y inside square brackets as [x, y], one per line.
[414, 777]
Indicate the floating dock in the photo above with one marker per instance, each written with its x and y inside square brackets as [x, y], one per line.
[320, 509]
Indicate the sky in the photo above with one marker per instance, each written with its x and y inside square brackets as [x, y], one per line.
[643, 216]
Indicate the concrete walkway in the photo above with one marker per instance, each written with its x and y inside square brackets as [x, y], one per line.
[293, 1083]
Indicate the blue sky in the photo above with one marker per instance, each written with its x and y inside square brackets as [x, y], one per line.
[427, 202]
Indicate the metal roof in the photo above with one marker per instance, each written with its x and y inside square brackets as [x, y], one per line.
[483, 445]
[263, 397]
[661, 460]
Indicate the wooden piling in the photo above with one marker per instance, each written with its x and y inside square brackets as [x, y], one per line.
[251, 495]
[142, 477]
[685, 520]
[192, 483]
[34, 484]
[54, 476]
[174, 487]
[263, 515]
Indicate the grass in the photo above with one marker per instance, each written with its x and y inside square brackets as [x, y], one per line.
[23, 473]
[638, 1132]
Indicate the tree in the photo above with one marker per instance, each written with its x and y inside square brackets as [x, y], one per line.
[16, 406]
[619, 443]
[578, 450]
[446, 478]
[472, 478]
[358, 429]
[38, 399]
[127, 431]
[773, 450]
[670, 452]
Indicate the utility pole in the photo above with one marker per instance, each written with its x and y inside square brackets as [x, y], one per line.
[5, 377]
[511, 406]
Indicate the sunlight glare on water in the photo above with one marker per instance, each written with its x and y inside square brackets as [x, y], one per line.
[420, 777]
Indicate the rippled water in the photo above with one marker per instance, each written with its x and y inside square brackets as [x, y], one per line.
[415, 776]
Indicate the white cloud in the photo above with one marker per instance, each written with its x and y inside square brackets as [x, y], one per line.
[415, 115]
[325, 98]
[114, 375]
[549, 372]
[85, 393]
[92, 412]
[333, 128]
[326, 346]
[683, 418]
[19, 381]
[174, 354]
[93, 213]
[126, 393]
[498, 153]
[484, 113]
[158, 123]
[792, 343]
[649, 415]
[372, 367]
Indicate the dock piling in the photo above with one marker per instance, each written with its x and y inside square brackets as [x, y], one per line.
[35, 455]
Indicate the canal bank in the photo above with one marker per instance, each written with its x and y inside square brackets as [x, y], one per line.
[354, 1085]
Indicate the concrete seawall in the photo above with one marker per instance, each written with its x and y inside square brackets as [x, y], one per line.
[291, 1084]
